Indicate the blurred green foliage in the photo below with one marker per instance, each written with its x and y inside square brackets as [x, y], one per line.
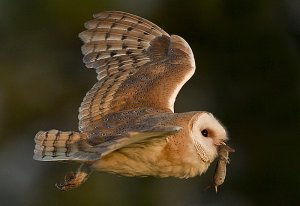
[248, 74]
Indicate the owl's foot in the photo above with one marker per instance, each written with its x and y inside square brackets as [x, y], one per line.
[74, 180]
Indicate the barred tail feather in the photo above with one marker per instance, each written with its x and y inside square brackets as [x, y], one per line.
[56, 145]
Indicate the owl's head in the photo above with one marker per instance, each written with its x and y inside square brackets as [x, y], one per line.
[207, 134]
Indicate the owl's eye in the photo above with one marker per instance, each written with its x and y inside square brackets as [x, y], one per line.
[204, 132]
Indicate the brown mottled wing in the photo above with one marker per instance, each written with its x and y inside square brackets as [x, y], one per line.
[128, 128]
[117, 142]
[138, 65]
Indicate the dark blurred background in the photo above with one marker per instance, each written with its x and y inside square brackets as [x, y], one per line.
[248, 74]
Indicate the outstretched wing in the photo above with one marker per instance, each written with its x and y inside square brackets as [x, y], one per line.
[138, 65]
[127, 129]
[113, 143]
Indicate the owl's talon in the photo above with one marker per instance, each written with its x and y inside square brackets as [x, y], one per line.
[60, 186]
[69, 176]
[73, 180]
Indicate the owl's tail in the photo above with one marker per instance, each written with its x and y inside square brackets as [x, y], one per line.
[56, 145]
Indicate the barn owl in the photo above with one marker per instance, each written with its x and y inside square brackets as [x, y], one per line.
[127, 123]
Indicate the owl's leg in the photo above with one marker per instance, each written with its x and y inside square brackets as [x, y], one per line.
[74, 180]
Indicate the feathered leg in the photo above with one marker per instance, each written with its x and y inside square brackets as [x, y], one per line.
[75, 180]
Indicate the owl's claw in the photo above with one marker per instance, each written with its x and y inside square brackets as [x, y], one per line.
[73, 180]
[69, 176]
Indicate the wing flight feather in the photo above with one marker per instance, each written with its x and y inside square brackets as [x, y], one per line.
[137, 63]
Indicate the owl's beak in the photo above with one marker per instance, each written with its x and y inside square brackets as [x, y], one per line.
[219, 142]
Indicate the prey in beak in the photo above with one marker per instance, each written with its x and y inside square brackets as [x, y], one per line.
[223, 160]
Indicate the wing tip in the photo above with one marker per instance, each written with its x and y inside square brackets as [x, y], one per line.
[177, 42]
